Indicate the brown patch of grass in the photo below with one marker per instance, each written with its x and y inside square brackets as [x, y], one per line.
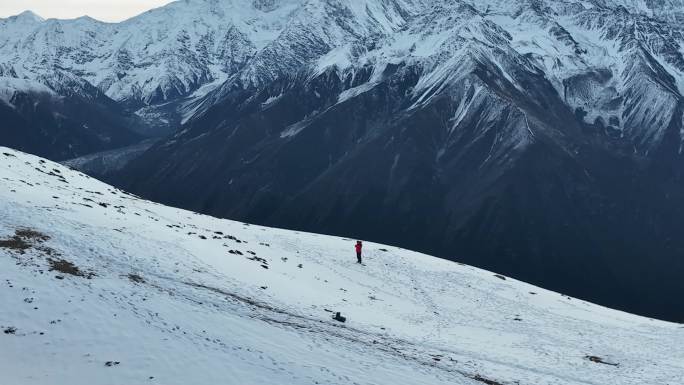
[15, 243]
[23, 239]
[30, 234]
[66, 267]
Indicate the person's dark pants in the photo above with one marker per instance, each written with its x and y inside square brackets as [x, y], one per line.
[358, 256]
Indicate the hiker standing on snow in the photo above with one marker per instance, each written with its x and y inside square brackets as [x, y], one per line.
[359, 246]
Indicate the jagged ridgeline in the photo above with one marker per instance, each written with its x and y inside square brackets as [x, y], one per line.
[541, 139]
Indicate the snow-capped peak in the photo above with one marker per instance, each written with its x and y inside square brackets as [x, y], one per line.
[27, 16]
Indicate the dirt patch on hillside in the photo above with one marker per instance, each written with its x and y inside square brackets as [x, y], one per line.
[66, 267]
[15, 243]
[23, 239]
[30, 234]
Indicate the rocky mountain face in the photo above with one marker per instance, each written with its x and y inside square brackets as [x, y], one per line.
[80, 120]
[538, 138]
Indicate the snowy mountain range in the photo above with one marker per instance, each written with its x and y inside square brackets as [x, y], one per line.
[538, 138]
[161, 56]
[102, 287]
[603, 57]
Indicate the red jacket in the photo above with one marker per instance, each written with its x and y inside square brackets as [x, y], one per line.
[358, 247]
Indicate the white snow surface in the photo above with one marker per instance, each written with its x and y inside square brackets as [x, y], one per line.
[221, 302]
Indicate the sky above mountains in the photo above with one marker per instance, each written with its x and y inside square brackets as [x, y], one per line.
[105, 10]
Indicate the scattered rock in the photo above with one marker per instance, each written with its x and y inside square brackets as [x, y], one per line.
[258, 259]
[10, 330]
[136, 278]
[483, 380]
[339, 318]
[112, 363]
[600, 360]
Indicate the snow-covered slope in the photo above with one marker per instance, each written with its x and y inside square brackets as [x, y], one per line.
[100, 287]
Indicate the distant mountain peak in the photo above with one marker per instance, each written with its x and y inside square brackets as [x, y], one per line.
[30, 16]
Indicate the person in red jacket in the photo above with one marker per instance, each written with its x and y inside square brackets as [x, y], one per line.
[359, 246]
